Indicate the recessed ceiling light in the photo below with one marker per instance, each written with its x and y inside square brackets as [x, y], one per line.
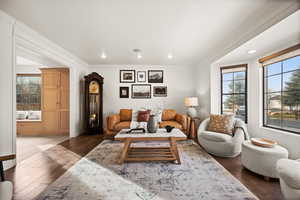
[139, 56]
[138, 53]
[251, 51]
[103, 55]
[170, 56]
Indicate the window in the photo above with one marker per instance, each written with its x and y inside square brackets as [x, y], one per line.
[282, 94]
[234, 91]
[28, 89]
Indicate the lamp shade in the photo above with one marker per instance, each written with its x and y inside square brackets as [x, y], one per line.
[191, 101]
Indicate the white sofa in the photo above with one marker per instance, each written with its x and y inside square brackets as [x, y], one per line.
[223, 145]
[289, 175]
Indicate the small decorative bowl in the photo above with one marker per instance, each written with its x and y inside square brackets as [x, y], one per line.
[263, 142]
[169, 128]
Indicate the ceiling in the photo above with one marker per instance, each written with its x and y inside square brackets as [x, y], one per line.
[284, 34]
[192, 30]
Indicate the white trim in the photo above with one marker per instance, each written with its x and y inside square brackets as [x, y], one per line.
[30, 38]
[7, 17]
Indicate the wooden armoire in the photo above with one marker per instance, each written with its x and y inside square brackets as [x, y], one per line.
[55, 101]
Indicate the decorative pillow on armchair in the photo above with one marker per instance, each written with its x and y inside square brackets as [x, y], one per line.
[221, 124]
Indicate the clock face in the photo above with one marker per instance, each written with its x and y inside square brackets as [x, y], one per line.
[94, 87]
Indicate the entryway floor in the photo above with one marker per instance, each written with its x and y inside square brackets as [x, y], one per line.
[29, 146]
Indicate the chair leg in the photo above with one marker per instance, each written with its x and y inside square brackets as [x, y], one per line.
[1, 171]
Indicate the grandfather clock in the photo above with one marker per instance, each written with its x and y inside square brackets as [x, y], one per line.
[93, 103]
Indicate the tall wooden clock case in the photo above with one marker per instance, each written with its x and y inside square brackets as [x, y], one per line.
[94, 103]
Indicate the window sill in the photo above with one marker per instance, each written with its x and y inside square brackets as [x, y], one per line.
[29, 120]
[279, 131]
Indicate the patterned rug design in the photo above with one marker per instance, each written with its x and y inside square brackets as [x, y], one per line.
[98, 176]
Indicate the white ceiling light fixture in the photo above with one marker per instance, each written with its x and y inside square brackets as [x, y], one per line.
[251, 51]
[170, 56]
[138, 53]
[103, 55]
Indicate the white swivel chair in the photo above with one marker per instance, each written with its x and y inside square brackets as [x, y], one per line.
[6, 187]
[223, 145]
[289, 175]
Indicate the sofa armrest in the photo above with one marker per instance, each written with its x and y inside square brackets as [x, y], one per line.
[112, 120]
[182, 119]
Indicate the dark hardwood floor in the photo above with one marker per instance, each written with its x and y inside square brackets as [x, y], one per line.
[264, 190]
[33, 175]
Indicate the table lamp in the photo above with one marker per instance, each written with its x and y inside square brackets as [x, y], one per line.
[191, 103]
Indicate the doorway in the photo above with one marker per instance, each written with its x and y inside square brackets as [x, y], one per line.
[42, 104]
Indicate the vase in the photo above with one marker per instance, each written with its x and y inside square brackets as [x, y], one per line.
[152, 124]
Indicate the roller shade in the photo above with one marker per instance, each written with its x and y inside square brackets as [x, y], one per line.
[231, 69]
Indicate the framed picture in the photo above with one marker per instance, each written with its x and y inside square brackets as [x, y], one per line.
[141, 76]
[155, 76]
[160, 91]
[124, 92]
[140, 91]
[127, 76]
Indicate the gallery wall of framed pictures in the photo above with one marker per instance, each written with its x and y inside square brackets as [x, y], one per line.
[141, 84]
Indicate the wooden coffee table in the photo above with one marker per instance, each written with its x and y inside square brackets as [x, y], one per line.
[138, 154]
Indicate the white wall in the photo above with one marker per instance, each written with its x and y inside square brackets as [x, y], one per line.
[202, 87]
[255, 107]
[180, 81]
[7, 97]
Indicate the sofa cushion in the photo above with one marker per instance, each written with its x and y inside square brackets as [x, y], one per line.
[125, 115]
[143, 116]
[221, 124]
[289, 171]
[168, 115]
[216, 137]
[121, 125]
[170, 123]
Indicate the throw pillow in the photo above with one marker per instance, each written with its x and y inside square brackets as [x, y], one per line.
[168, 115]
[221, 124]
[143, 116]
[125, 115]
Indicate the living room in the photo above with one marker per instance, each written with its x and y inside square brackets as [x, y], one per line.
[214, 84]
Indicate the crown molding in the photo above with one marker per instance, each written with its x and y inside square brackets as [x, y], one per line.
[28, 38]
[6, 17]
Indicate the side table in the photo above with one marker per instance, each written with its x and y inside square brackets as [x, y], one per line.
[193, 129]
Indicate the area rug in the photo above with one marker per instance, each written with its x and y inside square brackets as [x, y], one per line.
[98, 176]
